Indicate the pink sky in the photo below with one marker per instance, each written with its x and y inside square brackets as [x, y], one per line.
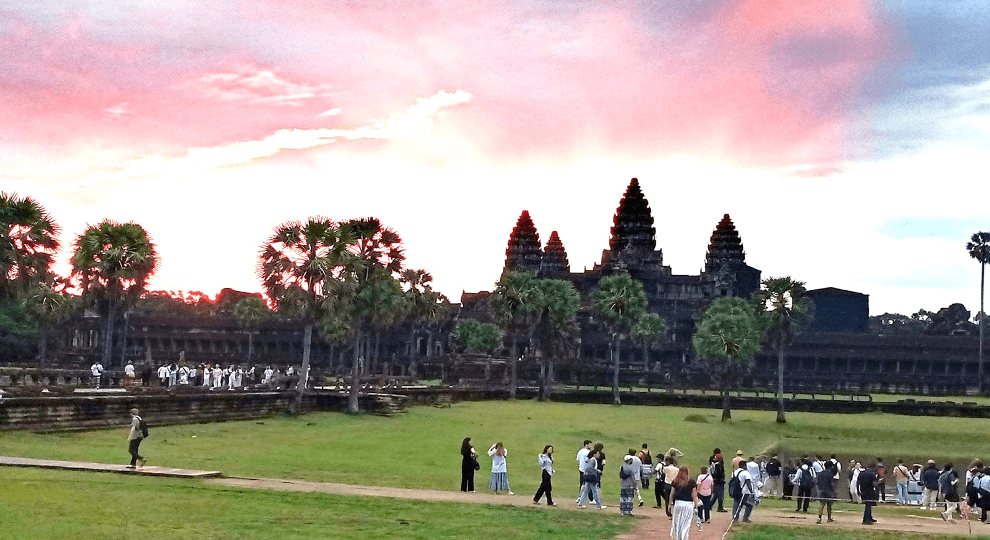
[444, 120]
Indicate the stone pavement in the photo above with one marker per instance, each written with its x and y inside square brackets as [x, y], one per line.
[105, 467]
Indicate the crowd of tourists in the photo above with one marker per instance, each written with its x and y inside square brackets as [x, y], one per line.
[689, 497]
[215, 377]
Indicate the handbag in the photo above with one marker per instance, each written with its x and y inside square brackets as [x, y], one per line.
[477, 466]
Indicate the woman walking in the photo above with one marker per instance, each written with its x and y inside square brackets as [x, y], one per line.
[592, 479]
[627, 487]
[500, 478]
[469, 464]
[827, 489]
[705, 485]
[685, 496]
[546, 471]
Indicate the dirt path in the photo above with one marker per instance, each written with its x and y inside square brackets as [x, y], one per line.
[650, 523]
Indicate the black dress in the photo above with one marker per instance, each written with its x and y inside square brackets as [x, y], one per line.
[469, 464]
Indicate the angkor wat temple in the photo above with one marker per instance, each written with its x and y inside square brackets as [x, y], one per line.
[834, 352]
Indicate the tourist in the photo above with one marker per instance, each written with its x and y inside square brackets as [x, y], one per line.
[901, 477]
[173, 373]
[947, 481]
[717, 469]
[592, 479]
[742, 494]
[500, 477]
[772, 487]
[735, 461]
[705, 485]
[854, 471]
[983, 491]
[756, 472]
[929, 480]
[804, 480]
[639, 470]
[647, 470]
[972, 487]
[129, 374]
[469, 464]
[183, 375]
[134, 437]
[205, 375]
[685, 495]
[546, 473]
[268, 375]
[670, 471]
[787, 474]
[163, 375]
[96, 370]
[217, 376]
[599, 462]
[867, 483]
[827, 489]
[627, 484]
[916, 491]
[582, 460]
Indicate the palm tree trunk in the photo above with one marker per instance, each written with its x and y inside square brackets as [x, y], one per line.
[983, 268]
[123, 343]
[549, 390]
[304, 372]
[543, 380]
[514, 353]
[726, 413]
[353, 405]
[780, 385]
[615, 372]
[108, 334]
[250, 345]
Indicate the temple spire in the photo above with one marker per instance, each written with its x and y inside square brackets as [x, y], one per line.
[524, 251]
[632, 225]
[555, 262]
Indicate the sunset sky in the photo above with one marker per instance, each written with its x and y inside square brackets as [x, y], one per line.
[849, 140]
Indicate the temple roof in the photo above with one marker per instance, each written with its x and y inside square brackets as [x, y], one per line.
[524, 251]
[633, 222]
[555, 257]
[725, 242]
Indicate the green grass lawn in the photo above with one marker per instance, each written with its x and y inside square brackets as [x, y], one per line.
[421, 448]
[46, 504]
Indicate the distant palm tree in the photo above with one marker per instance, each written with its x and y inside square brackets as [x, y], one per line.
[113, 262]
[516, 302]
[556, 326]
[28, 244]
[727, 338]
[296, 266]
[979, 249]
[784, 309]
[621, 300]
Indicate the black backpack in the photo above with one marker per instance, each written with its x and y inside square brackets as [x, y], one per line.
[807, 477]
[143, 427]
[773, 468]
[735, 486]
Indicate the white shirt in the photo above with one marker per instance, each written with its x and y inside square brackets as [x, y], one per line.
[498, 462]
[638, 463]
[546, 463]
[129, 370]
[96, 369]
[743, 476]
[163, 372]
[582, 458]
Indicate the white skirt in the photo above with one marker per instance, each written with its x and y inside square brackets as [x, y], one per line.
[682, 519]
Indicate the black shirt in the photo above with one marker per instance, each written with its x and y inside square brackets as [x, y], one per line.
[683, 493]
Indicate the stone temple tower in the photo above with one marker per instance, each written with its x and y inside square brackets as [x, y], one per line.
[524, 251]
[725, 263]
[632, 246]
[555, 264]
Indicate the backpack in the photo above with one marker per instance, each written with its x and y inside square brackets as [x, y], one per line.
[623, 474]
[143, 427]
[807, 477]
[717, 470]
[773, 468]
[735, 486]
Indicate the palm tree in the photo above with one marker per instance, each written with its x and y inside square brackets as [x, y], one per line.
[649, 330]
[251, 312]
[515, 300]
[556, 326]
[113, 262]
[296, 265]
[979, 249]
[621, 300]
[726, 339]
[28, 244]
[47, 304]
[427, 308]
[784, 310]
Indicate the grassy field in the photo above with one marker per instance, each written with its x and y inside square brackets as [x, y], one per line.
[37, 504]
[421, 448]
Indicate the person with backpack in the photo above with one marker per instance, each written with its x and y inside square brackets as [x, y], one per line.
[592, 479]
[741, 489]
[138, 432]
[947, 482]
[804, 480]
[716, 467]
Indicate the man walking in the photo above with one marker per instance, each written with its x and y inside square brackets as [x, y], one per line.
[773, 488]
[97, 373]
[804, 480]
[134, 438]
[901, 477]
[929, 480]
[742, 496]
[582, 458]
[868, 491]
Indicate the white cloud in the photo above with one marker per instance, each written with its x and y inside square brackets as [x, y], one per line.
[417, 119]
[256, 85]
[118, 110]
[331, 112]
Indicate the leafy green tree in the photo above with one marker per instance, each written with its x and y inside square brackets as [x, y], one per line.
[478, 336]
[555, 326]
[28, 244]
[979, 249]
[47, 304]
[621, 300]
[649, 331]
[785, 309]
[112, 263]
[296, 267]
[427, 309]
[727, 337]
[251, 312]
[516, 301]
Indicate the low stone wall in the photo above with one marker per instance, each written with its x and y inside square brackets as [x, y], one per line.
[69, 413]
